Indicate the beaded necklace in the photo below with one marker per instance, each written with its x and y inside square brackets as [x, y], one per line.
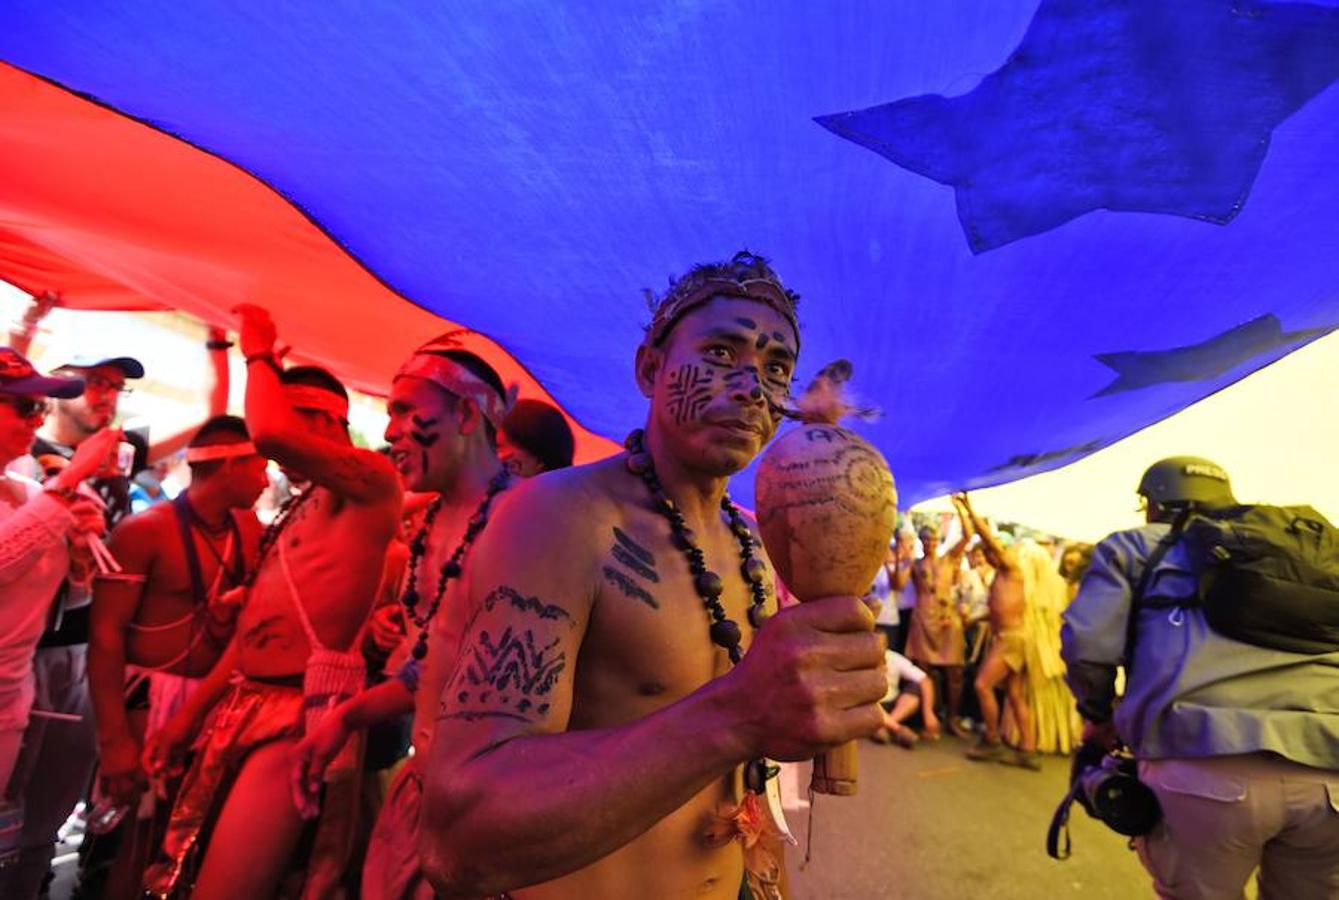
[724, 631]
[418, 548]
[270, 536]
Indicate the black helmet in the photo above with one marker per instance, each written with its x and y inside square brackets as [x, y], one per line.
[1183, 480]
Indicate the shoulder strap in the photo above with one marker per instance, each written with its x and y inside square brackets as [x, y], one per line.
[1155, 559]
[297, 598]
[236, 569]
[182, 507]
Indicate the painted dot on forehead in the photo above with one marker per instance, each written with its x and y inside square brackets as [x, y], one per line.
[761, 342]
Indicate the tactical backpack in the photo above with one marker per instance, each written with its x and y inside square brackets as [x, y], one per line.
[1267, 575]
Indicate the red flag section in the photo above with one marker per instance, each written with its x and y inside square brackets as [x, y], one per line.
[114, 214]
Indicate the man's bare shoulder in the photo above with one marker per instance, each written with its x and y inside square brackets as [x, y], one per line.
[578, 493]
[148, 524]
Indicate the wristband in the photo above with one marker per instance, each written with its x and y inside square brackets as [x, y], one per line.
[219, 345]
[268, 359]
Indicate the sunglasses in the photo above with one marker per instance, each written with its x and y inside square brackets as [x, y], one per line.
[28, 407]
[107, 385]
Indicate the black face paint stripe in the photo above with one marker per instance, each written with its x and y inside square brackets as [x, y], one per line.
[761, 342]
[748, 323]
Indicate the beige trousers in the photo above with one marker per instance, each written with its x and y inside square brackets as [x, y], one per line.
[1225, 816]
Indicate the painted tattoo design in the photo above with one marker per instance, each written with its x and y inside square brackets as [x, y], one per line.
[508, 674]
[637, 560]
[629, 587]
[690, 390]
[420, 435]
[634, 556]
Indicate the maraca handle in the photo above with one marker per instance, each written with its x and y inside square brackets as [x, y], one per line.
[835, 771]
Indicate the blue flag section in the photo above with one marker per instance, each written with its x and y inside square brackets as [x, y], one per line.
[1078, 218]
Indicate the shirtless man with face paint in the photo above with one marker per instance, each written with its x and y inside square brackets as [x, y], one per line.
[591, 737]
[296, 647]
[447, 408]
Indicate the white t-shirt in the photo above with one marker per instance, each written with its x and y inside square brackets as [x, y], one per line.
[883, 589]
[899, 669]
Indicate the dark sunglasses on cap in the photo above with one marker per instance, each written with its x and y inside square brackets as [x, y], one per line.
[28, 407]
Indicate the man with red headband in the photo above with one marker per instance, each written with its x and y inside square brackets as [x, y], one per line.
[296, 652]
[152, 635]
[447, 409]
[601, 731]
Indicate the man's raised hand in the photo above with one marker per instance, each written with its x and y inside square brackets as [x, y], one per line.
[256, 331]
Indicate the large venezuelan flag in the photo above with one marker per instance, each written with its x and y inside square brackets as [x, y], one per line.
[1034, 228]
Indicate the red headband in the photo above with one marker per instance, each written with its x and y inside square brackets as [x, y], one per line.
[459, 381]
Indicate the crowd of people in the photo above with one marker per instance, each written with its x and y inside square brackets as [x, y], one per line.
[459, 666]
[985, 614]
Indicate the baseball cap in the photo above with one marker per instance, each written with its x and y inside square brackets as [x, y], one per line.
[17, 376]
[129, 366]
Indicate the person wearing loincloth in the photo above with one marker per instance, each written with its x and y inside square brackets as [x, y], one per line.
[618, 671]
[152, 638]
[446, 411]
[936, 641]
[295, 653]
[1006, 660]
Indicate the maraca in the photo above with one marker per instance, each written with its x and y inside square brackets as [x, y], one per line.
[827, 509]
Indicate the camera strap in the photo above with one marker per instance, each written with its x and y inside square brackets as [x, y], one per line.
[1060, 824]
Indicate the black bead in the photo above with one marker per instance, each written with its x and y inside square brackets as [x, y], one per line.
[754, 570]
[420, 649]
[709, 584]
[451, 569]
[757, 616]
[634, 440]
[639, 463]
[741, 529]
[725, 633]
[410, 598]
[697, 566]
[735, 654]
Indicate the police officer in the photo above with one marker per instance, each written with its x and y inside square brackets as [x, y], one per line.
[1240, 743]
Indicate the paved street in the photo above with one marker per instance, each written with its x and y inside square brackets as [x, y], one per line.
[929, 825]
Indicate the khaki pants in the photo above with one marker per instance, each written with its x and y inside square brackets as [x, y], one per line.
[1224, 816]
